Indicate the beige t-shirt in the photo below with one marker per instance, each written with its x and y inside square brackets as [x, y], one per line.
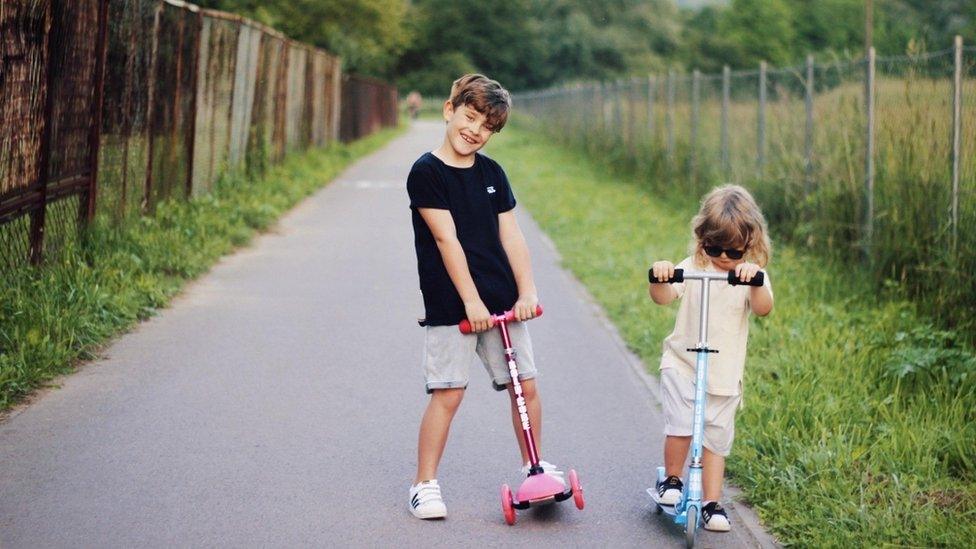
[728, 331]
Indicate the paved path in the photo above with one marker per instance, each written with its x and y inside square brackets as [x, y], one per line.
[276, 403]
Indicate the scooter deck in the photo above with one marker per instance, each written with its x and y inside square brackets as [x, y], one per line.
[521, 505]
[669, 509]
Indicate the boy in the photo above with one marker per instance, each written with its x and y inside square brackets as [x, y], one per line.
[473, 262]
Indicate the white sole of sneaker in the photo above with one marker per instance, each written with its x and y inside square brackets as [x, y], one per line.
[429, 515]
[718, 527]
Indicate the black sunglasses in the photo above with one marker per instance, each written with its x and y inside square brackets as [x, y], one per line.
[716, 251]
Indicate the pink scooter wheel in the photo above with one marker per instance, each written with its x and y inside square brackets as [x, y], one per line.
[577, 489]
[507, 507]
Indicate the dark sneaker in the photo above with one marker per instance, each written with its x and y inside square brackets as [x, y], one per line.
[714, 517]
[669, 491]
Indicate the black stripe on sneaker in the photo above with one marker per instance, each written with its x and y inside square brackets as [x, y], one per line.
[414, 501]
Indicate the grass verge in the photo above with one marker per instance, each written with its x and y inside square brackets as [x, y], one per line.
[860, 414]
[59, 314]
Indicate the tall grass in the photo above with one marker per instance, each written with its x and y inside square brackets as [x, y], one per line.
[860, 415]
[822, 206]
[117, 274]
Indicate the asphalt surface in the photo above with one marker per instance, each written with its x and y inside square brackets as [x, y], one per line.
[276, 403]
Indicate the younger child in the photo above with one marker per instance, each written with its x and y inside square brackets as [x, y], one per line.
[473, 262]
[730, 234]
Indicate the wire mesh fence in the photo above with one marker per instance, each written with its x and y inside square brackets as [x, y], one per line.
[108, 107]
[886, 177]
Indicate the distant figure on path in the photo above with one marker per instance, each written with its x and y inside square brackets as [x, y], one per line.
[414, 103]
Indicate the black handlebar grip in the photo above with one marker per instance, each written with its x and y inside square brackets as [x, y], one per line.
[679, 276]
[756, 280]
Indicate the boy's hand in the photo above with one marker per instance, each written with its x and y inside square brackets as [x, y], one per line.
[663, 270]
[478, 316]
[525, 307]
[746, 271]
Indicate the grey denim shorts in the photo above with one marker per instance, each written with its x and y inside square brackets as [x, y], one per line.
[448, 354]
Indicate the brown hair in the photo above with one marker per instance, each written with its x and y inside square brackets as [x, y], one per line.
[729, 217]
[483, 95]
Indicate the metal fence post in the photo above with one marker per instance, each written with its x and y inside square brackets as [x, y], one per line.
[669, 116]
[86, 209]
[726, 91]
[808, 137]
[191, 127]
[695, 100]
[761, 121]
[150, 108]
[956, 135]
[650, 109]
[37, 217]
[869, 154]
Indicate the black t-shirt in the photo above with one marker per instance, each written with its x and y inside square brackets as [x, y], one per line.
[474, 196]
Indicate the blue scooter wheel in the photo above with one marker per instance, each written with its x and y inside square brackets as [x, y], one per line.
[691, 526]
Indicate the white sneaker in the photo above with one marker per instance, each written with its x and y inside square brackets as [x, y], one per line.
[547, 468]
[426, 501]
[714, 517]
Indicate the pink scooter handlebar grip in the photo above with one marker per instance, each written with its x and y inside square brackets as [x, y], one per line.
[507, 316]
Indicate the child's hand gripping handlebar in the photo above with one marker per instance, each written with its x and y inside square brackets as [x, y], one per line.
[507, 316]
[679, 276]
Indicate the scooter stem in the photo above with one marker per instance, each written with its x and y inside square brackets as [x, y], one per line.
[519, 399]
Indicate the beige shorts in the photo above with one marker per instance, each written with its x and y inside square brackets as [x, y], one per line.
[448, 354]
[678, 402]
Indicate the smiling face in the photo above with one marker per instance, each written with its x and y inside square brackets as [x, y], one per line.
[467, 130]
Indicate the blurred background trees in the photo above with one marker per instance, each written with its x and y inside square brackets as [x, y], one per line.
[528, 44]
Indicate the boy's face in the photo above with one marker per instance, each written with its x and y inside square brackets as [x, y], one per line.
[467, 129]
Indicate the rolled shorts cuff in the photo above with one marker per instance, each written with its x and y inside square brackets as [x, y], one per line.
[503, 383]
[673, 431]
[434, 385]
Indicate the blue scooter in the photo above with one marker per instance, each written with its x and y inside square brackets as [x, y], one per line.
[687, 511]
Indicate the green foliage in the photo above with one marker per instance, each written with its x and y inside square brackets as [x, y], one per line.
[62, 312]
[527, 44]
[859, 415]
[781, 32]
[368, 34]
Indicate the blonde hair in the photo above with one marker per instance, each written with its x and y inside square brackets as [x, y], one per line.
[484, 95]
[729, 217]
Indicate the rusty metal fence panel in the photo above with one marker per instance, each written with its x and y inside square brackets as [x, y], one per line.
[50, 95]
[173, 89]
[245, 81]
[367, 106]
[159, 99]
[215, 87]
[23, 59]
[124, 145]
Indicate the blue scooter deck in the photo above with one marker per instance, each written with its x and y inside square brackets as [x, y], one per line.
[669, 509]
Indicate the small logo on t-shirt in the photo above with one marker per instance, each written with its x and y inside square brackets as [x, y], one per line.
[491, 190]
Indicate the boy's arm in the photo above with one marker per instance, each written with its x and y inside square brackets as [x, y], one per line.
[513, 241]
[445, 234]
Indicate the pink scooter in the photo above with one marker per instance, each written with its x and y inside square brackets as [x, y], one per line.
[539, 487]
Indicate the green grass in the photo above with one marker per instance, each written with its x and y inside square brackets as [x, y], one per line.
[860, 415]
[114, 276]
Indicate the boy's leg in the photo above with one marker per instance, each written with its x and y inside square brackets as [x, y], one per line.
[434, 429]
[534, 409]
[447, 354]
